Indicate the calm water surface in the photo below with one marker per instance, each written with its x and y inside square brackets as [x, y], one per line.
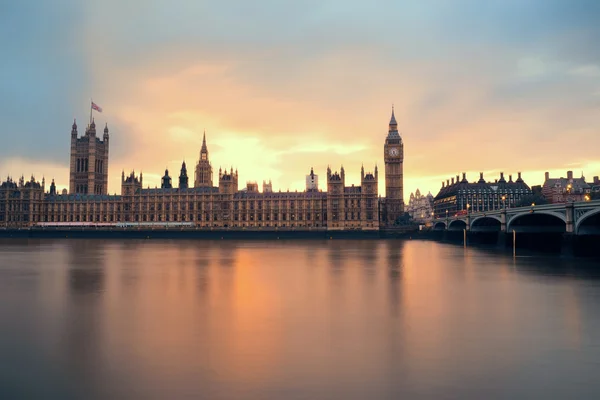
[293, 320]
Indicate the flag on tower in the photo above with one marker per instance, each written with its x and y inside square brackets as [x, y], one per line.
[96, 107]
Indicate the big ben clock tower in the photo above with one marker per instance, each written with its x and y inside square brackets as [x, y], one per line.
[394, 179]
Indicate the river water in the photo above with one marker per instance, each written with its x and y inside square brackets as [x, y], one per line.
[92, 319]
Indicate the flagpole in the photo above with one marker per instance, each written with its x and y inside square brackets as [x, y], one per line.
[91, 101]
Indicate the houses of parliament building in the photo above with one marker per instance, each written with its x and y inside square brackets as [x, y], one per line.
[201, 203]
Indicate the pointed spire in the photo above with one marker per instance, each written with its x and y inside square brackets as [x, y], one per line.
[204, 148]
[393, 127]
[106, 128]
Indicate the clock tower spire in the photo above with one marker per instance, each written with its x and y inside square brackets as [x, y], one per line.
[394, 179]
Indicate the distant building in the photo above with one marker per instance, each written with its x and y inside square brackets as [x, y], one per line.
[420, 207]
[312, 181]
[460, 196]
[563, 190]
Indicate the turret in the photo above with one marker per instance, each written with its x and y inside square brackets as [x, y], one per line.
[166, 181]
[183, 178]
[74, 129]
[92, 129]
[131, 185]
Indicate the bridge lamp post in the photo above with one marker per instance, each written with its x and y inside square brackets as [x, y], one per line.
[468, 206]
[587, 197]
[504, 201]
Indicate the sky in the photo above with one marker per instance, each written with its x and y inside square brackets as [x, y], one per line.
[283, 86]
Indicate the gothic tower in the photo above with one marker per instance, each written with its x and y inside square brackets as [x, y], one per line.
[204, 174]
[166, 181]
[183, 178]
[394, 157]
[335, 199]
[89, 161]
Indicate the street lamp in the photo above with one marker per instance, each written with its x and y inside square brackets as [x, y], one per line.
[504, 201]
[587, 197]
[468, 206]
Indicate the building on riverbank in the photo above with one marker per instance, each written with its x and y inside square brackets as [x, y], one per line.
[564, 190]
[341, 207]
[460, 195]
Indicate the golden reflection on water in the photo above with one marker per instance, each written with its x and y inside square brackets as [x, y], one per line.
[229, 319]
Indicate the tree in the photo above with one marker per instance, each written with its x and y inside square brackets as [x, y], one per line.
[536, 199]
[404, 220]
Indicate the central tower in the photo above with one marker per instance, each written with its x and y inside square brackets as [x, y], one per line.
[393, 155]
[204, 174]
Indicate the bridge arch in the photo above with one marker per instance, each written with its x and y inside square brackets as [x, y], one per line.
[589, 223]
[537, 221]
[457, 225]
[440, 226]
[486, 223]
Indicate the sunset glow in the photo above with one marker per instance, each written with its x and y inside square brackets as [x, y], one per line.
[280, 88]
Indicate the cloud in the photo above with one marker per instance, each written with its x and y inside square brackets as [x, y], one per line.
[587, 71]
[283, 86]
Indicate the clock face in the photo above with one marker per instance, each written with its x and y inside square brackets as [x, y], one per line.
[394, 152]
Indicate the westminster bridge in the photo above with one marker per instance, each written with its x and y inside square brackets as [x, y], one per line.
[563, 224]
